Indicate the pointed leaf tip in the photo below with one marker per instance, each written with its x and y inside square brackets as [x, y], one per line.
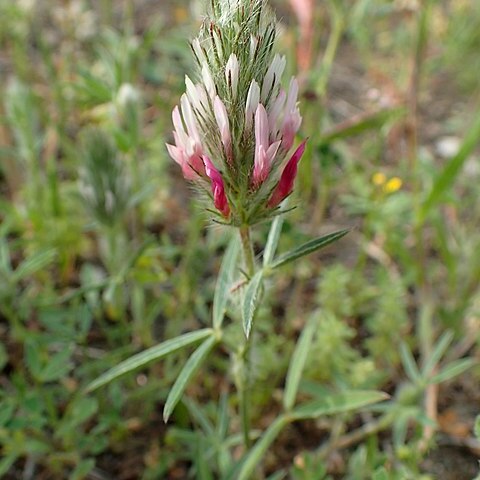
[251, 302]
[189, 369]
[308, 247]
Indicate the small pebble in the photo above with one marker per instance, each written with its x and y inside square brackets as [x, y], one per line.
[448, 147]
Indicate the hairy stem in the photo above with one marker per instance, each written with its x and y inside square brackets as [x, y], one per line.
[244, 384]
[247, 247]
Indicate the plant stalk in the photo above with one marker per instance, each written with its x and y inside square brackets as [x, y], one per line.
[244, 384]
[247, 247]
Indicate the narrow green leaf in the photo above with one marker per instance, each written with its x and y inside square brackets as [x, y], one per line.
[222, 417]
[338, 403]
[188, 370]
[82, 408]
[409, 364]
[272, 240]
[437, 354]
[199, 415]
[297, 364]
[255, 455]
[224, 282]
[449, 174]
[33, 264]
[453, 370]
[143, 358]
[5, 264]
[361, 123]
[251, 301]
[83, 468]
[380, 474]
[33, 358]
[203, 466]
[308, 248]
[57, 366]
[6, 462]
[7, 409]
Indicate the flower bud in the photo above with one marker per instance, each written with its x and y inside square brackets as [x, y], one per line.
[287, 179]
[218, 188]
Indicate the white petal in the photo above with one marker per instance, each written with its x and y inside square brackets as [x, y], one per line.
[253, 98]
[180, 135]
[208, 82]
[222, 121]
[272, 151]
[189, 119]
[292, 95]
[261, 127]
[275, 113]
[273, 75]
[231, 73]
[199, 52]
[175, 153]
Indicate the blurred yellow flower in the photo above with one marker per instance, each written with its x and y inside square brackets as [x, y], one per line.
[393, 185]
[181, 14]
[379, 179]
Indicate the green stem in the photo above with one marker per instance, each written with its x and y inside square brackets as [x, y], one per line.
[248, 256]
[245, 402]
[332, 46]
[244, 384]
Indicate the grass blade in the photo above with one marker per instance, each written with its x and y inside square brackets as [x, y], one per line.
[447, 177]
[335, 403]
[409, 364]
[33, 264]
[437, 353]
[380, 474]
[222, 417]
[307, 248]
[361, 123]
[188, 370]
[256, 454]
[453, 370]
[143, 358]
[297, 364]
[199, 416]
[201, 461]
[224, 282]
[272, 240]
[251, 301]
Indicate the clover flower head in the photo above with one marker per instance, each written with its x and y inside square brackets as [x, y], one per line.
[235, 127]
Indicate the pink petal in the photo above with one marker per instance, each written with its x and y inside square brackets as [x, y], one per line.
[290, 127]
[196, 164]
[261, 127]
[176, 153]
[192, 166]
[261, 167]
[218, 189]
[287, 179]
[221, 116]
[276, 111]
